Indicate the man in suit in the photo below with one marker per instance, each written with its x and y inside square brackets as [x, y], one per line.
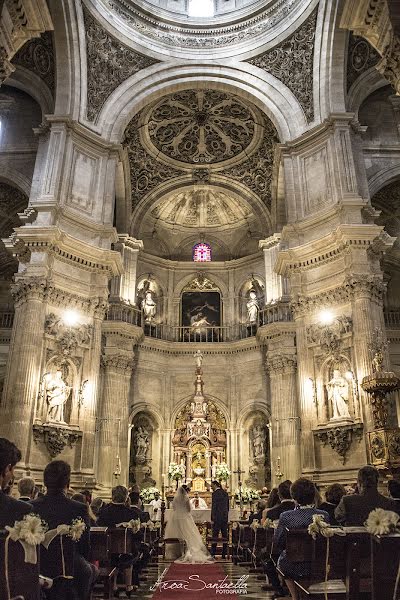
[287, 503]
[257, 515]
[394, 490]
[11, 510]
[354, 510]
[219, 515]
[26, 489]
[56, 509]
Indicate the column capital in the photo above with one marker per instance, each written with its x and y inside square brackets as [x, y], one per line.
[29, 288]
[120, 363]
[281, 363]
[270, 242]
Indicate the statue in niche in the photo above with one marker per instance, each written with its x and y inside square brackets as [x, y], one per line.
[214, 466]
[149, 307]
[258, 441]
[182, 468]
[142, 443]
[57, 394]
[253, 308]
[338, 395]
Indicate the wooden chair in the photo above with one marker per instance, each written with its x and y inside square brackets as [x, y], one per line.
[100, 553]
[57, 562]
[358, 563]
[300, 548]
[23, 578]
[262, 541]
[385, 561]
[245, 545]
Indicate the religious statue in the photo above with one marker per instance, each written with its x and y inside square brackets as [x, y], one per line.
[182, 468]
[198, 356]
[258, 437]
[253, 308]
[57, 394]
[214, 467]
[149, 307]
[141, 443]
[338, 395]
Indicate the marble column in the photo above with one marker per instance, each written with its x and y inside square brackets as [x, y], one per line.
[285, 421]
[124, 287]
[114, 420]
[24, 360]
[276, 286]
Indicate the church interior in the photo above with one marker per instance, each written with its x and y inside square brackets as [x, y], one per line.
[199, 249]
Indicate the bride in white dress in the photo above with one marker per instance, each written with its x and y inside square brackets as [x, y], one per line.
[181, 525]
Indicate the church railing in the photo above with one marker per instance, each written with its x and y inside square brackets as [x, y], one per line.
[6, 319]
[392, 318]
[276, 313]
[124, 313]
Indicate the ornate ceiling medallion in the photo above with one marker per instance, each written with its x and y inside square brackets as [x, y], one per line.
[201, 127]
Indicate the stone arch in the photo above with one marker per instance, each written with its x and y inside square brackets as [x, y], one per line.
[186, 399]
[254, 424]
[30, 83]
[246, 81]
[15, 179]
[182, 283]
[383, 178]
[367, 83]
[145, 471]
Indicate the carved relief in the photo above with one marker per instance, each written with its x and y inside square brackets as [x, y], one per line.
[292, 63]
[361, 56]
[328, 336]
[38, 57]
[200, 282]
[340, 438]
[67, 338]
[55, 438]
[201, 126]
[109, 64]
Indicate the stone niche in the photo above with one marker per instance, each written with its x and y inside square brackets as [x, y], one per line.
[144, 450]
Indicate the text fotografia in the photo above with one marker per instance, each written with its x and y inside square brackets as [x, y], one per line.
[193, 583]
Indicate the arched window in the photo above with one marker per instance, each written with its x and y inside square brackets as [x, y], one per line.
[201, 8]
[202, 252]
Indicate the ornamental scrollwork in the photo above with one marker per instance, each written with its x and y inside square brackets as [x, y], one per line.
[55, 438]
[281, 363]
[67, 338]
[109, 64]
[328, 337]
[361, 57]
[292, 63]
[201, 126]
[118, 362]
[340, 438]
[38, 57]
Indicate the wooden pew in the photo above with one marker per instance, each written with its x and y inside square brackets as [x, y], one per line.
[385, 563]
[58, 563]
[23, 578]
[262, 540]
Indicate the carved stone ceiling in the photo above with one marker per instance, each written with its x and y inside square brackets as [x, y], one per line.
[202, 208]
[201, 127]
[236, 26]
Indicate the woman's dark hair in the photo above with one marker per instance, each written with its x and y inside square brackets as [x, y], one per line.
[79, 498]
[394, 488]
[9, 454]
[273, 499]
[215, 482]
[303, 491]
[134, 497]
[57, 475]
[368, 477]
[334, 493]
[284, 490]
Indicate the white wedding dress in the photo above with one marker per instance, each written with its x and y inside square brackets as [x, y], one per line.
[181, 525]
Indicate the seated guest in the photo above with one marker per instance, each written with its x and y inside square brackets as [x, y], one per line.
[257, 515]
[286, 503]
[273, 499]
[56, 509]
[333, 496]
[303, 493]
[82, 498]
[118, 512]
[135, 502]
[11, 510]
[135, 489]
[96, 506]
[354, 510]
[26, 489]
[394, 490]
[88, 496]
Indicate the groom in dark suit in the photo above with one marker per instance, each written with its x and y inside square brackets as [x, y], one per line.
[219, 515]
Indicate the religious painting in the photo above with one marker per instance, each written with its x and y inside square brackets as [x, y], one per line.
[201, 309]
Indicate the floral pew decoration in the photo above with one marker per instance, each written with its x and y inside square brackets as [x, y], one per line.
[133, 526]
[29, 532]
[319, 526]
[74, 531]
[382, 522]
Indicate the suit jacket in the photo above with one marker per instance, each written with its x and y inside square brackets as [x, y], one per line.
[275, 512]
[220, 506]
[12, 510]
[354, 510]
[112, 514]
[56, 509]
[330, 509]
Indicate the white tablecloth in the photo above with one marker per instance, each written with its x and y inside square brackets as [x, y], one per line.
[203, 515]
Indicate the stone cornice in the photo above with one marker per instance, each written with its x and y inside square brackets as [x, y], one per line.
[317, 133]
[30, 238]
[81, 130]
[121, 363]
[270, 242]
[280, 363]
[274, 331]
[208, 349]
[356, 286]
[124, 240]
[124, 330]
[316, 252]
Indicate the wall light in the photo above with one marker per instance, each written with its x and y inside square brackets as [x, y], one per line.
[70, 318]
[326, 317]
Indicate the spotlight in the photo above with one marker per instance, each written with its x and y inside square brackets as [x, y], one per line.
[326, 317]
[71, 318]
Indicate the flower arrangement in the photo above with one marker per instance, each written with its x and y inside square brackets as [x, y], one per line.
[30, 530]
[382, 522]
[248, 494]
[76, 529]
[174, 471]
[222, 472]
[269, 524]
[134, 525]
[147, 494]
[321, 527]
[255, 524]
[149, 525]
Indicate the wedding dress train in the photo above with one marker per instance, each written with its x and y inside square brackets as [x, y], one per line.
[181, 525]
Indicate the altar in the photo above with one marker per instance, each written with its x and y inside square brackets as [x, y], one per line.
[204, 515]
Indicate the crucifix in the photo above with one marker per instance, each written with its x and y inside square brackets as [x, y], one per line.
[238, 472]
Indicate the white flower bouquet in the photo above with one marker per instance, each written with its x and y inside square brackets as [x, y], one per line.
[255, 524]
[30, 532]
[382, 522]
[248, 494]
[77, 529]
[320, 527]
[222, 472]
[147, 494]
[269, 524]
[174, 471]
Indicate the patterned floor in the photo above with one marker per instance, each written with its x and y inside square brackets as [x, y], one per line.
[234, 573]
